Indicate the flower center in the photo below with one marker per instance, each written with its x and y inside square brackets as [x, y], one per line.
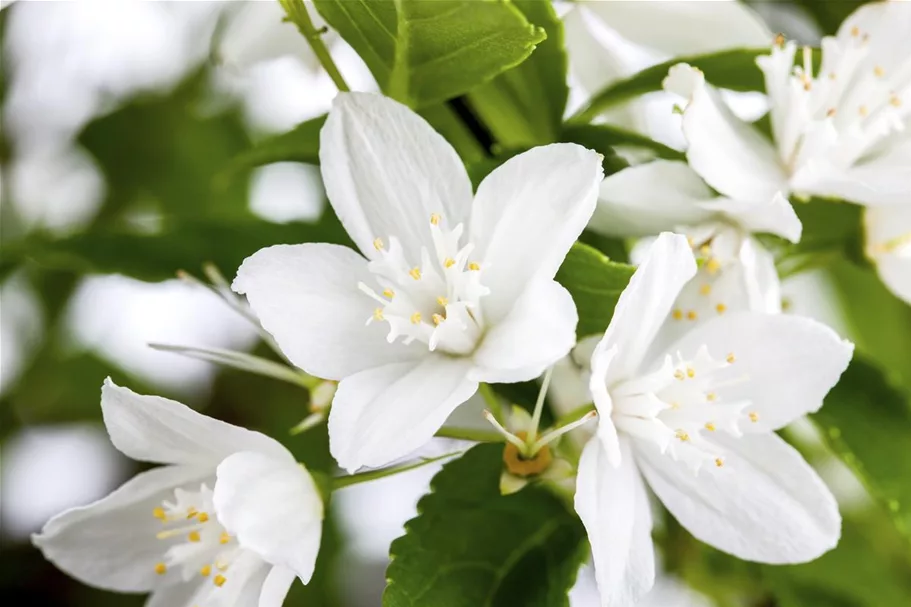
[677, 406]
[523, 466]
[197, 543]
[716, 288]
[435, 302]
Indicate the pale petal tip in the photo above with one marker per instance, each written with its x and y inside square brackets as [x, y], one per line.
[683, 79]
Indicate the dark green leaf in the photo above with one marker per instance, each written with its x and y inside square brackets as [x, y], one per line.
[602, 137]
[424, 53]
[830, 13]
[469, 546]
[524, 106]
[300, 144]
[868, 424]
[595, 283]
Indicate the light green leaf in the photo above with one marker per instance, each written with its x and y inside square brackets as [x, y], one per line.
[300, 144]
[471, 547]
[423, 53]
[524, 106]
[595, 283]
[867, 422]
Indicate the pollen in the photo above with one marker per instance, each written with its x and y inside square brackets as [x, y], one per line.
[862, 110]
[378, 314]
[437, 319]
[159, 513]
[415, 273]
[705, 289]
[193, 536]
[831, 112]
[416, 318]
[677, 314]
[202, 517]
[720, 308]
[679, 374]
[719, 462]
[683, 436]
[191, 512]
[712, 266]
[205, 571]
[448, 262]
[378, 244]
[730, 358]
[895, 101]
[855, 31]
[225, 538]
[161, 568]
[691, 315]
[435, 219]
[711, 397]
[779, 40]
[442, 301]
[754, 417]
[690, 372]
[474, 266]
[710, 427]
[219, 580]
[879, 71]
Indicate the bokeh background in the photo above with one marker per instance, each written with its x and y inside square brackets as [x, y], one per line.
[119, 118]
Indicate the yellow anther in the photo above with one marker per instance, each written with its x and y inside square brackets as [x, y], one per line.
[705, 289]
[683, 436]
[474, 266]
[378, 314]
[442, 301]
[712, 265]
[378, 244]
[415, 273]
[219, 580]
[221, 565]
[679, 374]
[691, 315]
[193, 536]
[205, 571]
[807, 84]
[862, 110]
[448, 262]
[416, 318]
[690, 372]
[879, 71]
[677, 314]
[711, 396]
[720, 308]
[779, 40]
[435, 219]
[855, 31]
[191, 512]
[437, 319]
[730, 358]
[832, 76]
[705, 250]
[224, 538]
[754, 417]
[159, 513]
[388, 293]
[719, 462]
[161, 568]
[831, 112]
[710, 427]
[895, 101]
[202, 517]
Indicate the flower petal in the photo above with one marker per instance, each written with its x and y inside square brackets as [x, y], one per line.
[783, 365]
[772, 216]
[614, 509]
[526, 216]
[307, 297]
[882, 179]
[273, 507]
[708, 27]
[732, 156]
[650, 198]
[536, 333]
[765, 504]
[156, 429]
[276, 587]
[888, 237]
[384, 413]
[386, 171]
[111, 543]
[763, 286]
[180, 594]
[646, 302]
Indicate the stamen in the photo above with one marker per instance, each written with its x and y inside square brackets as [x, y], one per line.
[713, 265]
[509, 436]
[205, 571]
[415, 273]
[710, 427]
[832, 76]
[378, 314]
[690, 372]
[416, 318]
[705, 250]
[895, 101]
[831, 112]
[159, 513]
[679, 374]
[720, 308]
[683, 436]
[862, 110]
[202, 517]
[435, 219]
[193, 536]
[677, 314]
[442, 301]
[191, 512]
[711, 396]
[855, 31]
[161, 568]
[879, 71]
[219, 580]
[691, 315]
[705, 289]
[224, 539]
[378, 244]
[754, 417]
[388, 293]
[719, 462]
[558, 432]
[779, 40]
[437, 319]
[730, 358]
[474, 266]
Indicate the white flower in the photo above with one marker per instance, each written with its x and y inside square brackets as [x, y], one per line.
[229, 519]
[695, 419]
[888, 230]
[842, 132]
[448, 291]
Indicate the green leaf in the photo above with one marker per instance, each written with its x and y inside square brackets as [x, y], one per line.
[595, 283]
[182, 244]
[423, 53]
[832, 231]
[603, 137]
[734, 69]
[829, 15]
[471, 547]
[524, 106]
[300, 144]
[867, 422]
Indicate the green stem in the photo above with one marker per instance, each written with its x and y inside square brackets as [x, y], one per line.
[297, 13]
[539, 406]
[363, 477]
[493, 402]
[481, 436]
